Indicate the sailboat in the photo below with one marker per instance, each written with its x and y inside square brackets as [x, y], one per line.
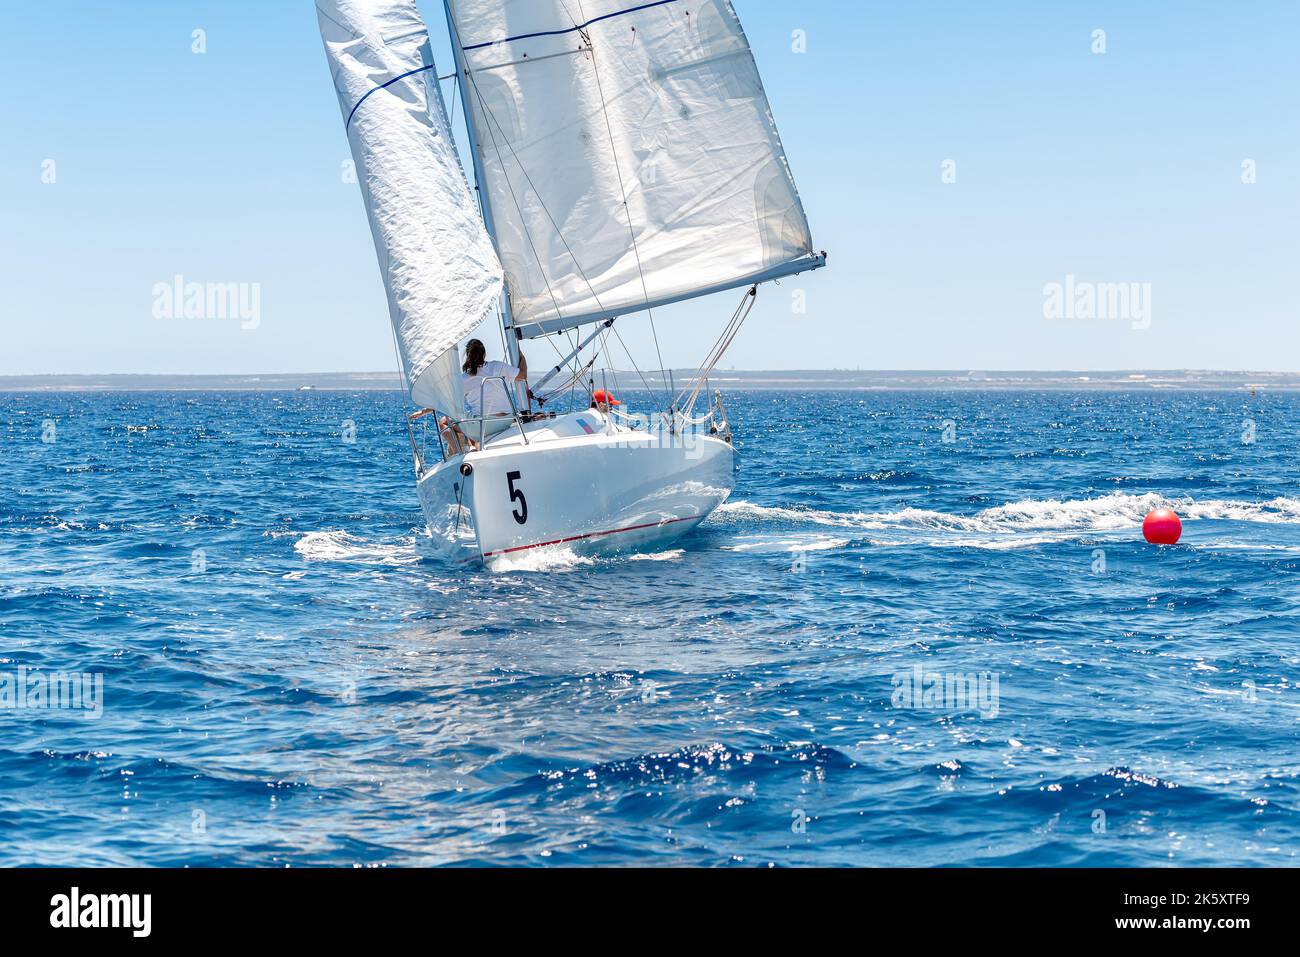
[624, 158]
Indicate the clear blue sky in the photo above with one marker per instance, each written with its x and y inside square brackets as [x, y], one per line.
[1120, 167]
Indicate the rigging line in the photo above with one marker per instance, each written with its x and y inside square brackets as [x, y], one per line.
[725, 336]
[455, 39]
[604, 336]
[573, 389]
[635, 367]
[572, 338]
[451, 123]
[723, 343]
[478, 192]
[459, 89]
[478, 195]
[697, 381]
[515, 199]
[627, 211]
[397, 351]
[407, 398]
[604, 344]
[487, 112]
[729, 336]
[505, 343]
[541, 202]
[575, 377]
[536, 192]
[556, 350]
[572, 359]
[401, 366]
[576, 27]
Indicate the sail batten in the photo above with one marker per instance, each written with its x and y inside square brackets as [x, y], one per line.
[628, 160]
[440, 270]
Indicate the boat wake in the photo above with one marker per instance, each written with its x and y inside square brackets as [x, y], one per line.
[344, 548]
[560, 558]
[339, 546]
[1015, 525]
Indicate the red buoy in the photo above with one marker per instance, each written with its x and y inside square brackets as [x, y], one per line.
[1162, 527]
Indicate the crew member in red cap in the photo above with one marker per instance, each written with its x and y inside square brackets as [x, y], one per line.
[602, 400]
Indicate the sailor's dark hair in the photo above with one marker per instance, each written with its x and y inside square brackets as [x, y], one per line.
[475, 356]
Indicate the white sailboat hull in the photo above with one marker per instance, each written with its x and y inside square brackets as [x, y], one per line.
[604, 492]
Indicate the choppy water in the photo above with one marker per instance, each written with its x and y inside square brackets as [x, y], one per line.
[291, 676]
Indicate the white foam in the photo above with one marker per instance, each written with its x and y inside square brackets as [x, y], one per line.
[1106, 513]
[788, 544]
[999, 544]
[1274, 511]
[671, 555]
[740, 511]
[339, 546]
[1243, 547]
[461, 546]
[547, 558]
[559, 558]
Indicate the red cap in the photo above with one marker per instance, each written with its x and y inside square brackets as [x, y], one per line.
[605, 398]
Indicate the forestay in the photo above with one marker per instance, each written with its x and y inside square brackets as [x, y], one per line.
[439, 268]
[628, 152]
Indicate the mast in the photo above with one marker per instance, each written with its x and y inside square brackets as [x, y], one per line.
[465, 82]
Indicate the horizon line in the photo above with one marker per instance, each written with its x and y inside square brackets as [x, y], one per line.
[842, 380]
[691, 370]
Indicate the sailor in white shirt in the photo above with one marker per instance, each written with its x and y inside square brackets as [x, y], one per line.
[484, 379]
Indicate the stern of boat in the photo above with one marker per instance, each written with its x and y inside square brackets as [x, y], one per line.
[579, 482]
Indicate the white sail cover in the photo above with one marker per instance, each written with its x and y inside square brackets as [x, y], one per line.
[577, 105]
[440, 270]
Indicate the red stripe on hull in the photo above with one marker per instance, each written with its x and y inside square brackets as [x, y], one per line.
[575, 538]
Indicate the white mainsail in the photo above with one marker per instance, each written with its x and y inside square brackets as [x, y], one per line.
[627, 152]
[439, 267]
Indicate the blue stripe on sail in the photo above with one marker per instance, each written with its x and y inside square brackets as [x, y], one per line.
[580, 26]
[395, 79]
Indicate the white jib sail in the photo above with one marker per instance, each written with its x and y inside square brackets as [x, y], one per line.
[439, 268]
[581, 106]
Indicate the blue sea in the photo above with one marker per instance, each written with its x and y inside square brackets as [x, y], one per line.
[925, 630]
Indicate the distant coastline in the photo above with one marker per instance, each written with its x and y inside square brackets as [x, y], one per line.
[825, 379]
